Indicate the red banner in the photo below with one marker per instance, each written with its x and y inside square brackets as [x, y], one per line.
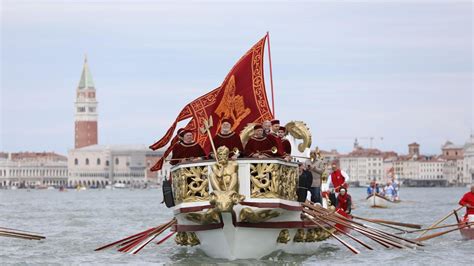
[241, 98]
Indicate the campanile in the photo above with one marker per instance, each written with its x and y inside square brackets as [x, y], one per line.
[86, 110]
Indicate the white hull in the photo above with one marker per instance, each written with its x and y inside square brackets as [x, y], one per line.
[376, 201]
[233, 237]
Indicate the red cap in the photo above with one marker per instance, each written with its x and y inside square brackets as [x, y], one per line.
[183, 132]
[258, 126]
[282, 128]
[180, 131]
[275, 121]
[226, 120]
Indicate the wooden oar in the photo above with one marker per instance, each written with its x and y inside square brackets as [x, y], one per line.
[339, 230]
[437, 227]
[440, 233]
[347, 245]
[440, 220]
[379, 221]
[388, 238]
[122, 240]
[386, 241]
[21, 235]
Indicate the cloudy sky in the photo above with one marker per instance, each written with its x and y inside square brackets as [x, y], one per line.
[401, 70]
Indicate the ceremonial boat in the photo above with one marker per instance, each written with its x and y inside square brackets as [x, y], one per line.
[249, 212]
[247, 207]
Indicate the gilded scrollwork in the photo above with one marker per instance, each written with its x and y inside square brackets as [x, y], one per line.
[299, 236]
[191, 184]
[271, 180]
[284, 236]
[211, 216]
[250, 215]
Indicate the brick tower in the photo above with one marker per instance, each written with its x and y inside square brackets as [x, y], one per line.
[86, 110]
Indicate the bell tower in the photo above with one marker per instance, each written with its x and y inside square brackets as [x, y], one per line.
[86, 110]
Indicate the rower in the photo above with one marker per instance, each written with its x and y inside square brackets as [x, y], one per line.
[187, 150]
[468, 201]
[344, 201]
[338, 179]
[226, 137]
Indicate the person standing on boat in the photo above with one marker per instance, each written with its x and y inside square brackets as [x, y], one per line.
[304, 182]
[468, 201]
[396, 188]
[344, 201]
[226, 137]
[273, 136]
[260, 146]
[389, 191]
[187, 150]
[317, 168]
[267, 127]
[338, 179]
[285, 143]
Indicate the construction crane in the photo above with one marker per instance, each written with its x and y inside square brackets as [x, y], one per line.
[356, 140]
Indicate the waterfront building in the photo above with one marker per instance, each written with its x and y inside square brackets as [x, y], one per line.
[32, 169]
[468, 150]
[454, 163]
[102, 165]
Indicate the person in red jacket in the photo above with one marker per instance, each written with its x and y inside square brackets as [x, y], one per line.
[187, 150]
[285, 143]
[227, 137]
[468, 201]
[344, 201]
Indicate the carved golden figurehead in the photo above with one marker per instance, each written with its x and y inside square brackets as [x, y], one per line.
[225, 182]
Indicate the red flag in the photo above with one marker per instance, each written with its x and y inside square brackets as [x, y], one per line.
[241, 98]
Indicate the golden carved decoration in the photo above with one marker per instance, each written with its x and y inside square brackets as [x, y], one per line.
[311, 235]
[271, 180]
[284, 236]
[232, 105]
[211, 216]
[299, 236]
[193, 240]
[187, 239]
[246, 133]
[322, 235]
[224, 201]
[224, 173]
[181, 238]
[225, 182]
[249, 215]
[190, 184]
[299, 130]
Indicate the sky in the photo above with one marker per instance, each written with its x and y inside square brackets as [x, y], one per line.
[397, 71]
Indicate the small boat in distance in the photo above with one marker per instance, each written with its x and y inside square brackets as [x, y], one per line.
[379, 201]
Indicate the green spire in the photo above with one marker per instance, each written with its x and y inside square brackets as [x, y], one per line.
[86, 77]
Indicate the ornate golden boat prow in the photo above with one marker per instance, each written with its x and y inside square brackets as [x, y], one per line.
[240, 209]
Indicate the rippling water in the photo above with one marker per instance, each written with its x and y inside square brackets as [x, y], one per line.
[77, 222]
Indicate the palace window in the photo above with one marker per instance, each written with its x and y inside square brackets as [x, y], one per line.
[91, 109]
[76, 161]
[98, 161]
[87, 161]
[116, 161]
[81, 109]
[107, 163]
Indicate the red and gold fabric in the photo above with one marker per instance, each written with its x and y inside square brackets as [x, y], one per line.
[241, 98]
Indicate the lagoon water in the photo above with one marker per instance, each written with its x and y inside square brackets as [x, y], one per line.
[77, 222]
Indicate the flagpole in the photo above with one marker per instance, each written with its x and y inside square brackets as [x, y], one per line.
[271, 75]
